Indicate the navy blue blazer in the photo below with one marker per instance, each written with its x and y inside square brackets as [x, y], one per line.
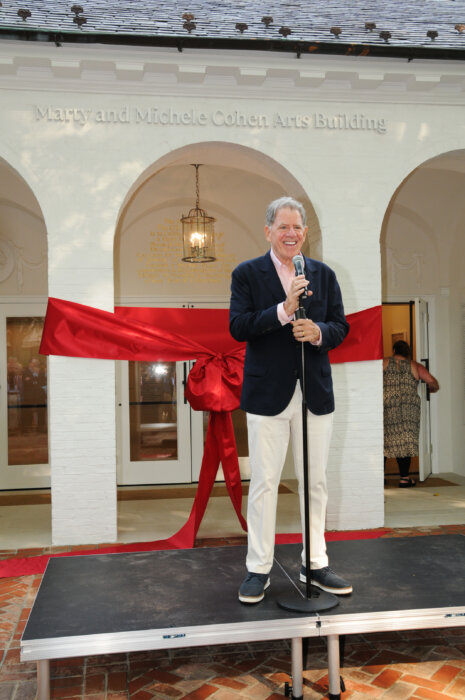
[273, 356]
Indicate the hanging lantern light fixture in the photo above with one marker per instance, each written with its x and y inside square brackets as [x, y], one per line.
[198, 233]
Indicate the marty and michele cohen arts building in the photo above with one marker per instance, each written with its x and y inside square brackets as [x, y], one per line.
[99, 140]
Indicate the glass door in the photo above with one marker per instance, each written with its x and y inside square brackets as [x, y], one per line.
[23, 398]
[160, 438]
[154, 423]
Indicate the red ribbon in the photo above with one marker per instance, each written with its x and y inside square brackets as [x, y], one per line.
[220, 445]
[214, 383]
[364, 340]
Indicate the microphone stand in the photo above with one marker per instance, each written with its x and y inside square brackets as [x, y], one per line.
[316, 600]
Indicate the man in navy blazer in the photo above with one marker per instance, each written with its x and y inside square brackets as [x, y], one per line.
[265, 295]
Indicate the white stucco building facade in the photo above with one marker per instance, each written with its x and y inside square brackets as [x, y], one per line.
[96, 147]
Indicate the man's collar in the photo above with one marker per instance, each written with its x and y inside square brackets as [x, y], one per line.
[276, 261]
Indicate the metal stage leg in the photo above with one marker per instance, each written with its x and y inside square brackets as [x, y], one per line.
[334, 667]
[296, 691]
[43, 680]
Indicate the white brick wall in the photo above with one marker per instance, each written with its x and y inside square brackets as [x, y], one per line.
[82, 450]
[355, 468]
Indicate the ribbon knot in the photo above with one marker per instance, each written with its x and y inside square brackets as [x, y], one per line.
[214, 383]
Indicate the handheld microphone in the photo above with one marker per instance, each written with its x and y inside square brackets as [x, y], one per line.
[298, 261]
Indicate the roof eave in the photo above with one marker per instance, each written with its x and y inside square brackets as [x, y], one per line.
[180, 42]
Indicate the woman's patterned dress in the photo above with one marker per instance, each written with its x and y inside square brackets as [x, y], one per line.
[401, 410]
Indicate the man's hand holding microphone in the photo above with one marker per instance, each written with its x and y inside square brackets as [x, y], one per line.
[303, 328]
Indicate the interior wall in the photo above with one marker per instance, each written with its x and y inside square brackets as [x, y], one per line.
[396, 326]
[422, 245]
[149, 234]
[23, 239]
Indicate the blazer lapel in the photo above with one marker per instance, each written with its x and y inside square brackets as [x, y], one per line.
[271, 278]
[273, 283]
[311, 274]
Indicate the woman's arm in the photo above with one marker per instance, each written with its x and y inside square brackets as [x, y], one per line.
[425, 376]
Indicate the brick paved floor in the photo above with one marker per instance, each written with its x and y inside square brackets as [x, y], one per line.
[416, 665]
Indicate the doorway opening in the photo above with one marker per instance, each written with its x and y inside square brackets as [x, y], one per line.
[23, 372]
[399, 324]
[409, 321]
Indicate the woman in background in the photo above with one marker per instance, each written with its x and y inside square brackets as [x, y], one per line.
[402, 407]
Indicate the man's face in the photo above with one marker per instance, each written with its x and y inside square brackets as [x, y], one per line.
[286, 234]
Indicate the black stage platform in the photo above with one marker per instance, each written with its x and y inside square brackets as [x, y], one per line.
[99, 604]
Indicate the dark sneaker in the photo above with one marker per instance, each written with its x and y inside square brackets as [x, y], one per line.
[327, 580]
[253, 587]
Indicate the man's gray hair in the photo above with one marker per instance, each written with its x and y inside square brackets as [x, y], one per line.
[284, 203]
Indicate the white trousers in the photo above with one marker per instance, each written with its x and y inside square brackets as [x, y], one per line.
[268, 443]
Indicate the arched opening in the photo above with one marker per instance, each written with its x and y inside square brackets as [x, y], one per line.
[422, 245]
[23, 296]
[236, 185]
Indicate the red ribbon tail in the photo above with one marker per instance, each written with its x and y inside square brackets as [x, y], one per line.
[228, 454]
[185, 537]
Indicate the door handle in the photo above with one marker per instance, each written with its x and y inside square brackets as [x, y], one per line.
[184, 381]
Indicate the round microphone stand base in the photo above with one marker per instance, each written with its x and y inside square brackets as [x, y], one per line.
[319, 601]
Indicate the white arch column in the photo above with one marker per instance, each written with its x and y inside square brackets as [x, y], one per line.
[350, 235]
[82, 451]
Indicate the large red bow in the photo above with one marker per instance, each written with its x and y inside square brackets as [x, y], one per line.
[214, 383]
